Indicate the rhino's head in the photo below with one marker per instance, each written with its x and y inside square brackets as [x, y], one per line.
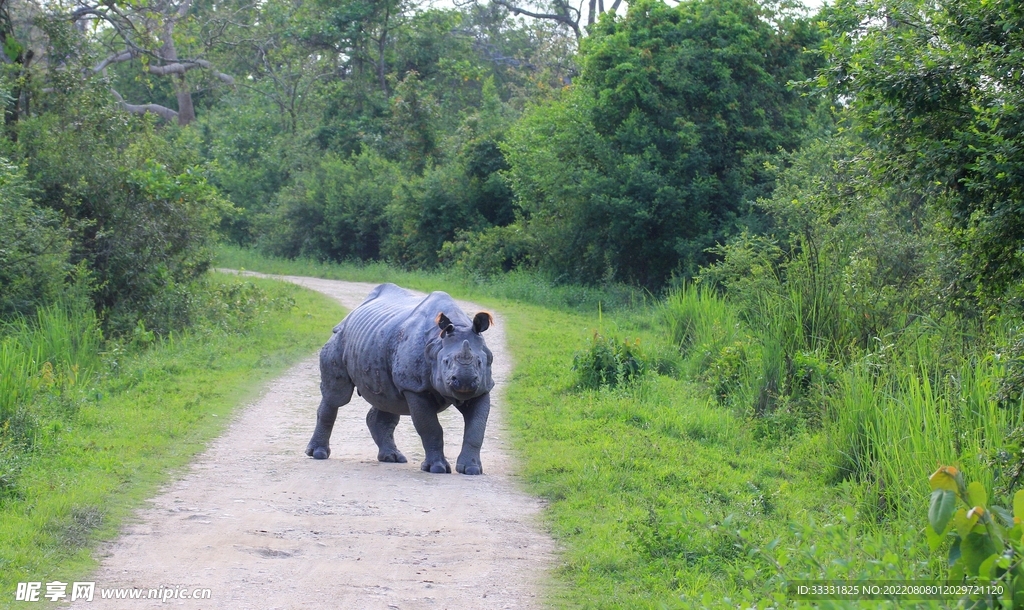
[461, 360]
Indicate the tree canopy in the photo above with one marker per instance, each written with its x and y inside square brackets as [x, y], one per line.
[627, 147]
[659, 148]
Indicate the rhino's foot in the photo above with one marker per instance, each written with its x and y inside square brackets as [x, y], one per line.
[440, 466]
[319, 452]
[471, 468]
[391, 455]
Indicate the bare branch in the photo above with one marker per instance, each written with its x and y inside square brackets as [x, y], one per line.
[563, 18]
[181, 67]
[161, 111]
[183, 8]
[80, 12]
[113, 59]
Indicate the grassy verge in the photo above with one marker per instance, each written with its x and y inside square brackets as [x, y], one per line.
[99, 449]
[662, 498]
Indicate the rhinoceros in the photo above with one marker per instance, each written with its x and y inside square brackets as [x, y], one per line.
[408, 355]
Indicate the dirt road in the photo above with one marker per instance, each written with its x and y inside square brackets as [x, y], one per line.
[263, 526]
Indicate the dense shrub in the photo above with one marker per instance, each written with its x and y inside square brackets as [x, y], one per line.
[335, 211]
[427, 212]
[933, 89]
[144, 214]
[609, 361]
[490, 252]
[35, 247]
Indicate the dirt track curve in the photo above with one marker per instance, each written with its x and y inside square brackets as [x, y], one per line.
[263, 526]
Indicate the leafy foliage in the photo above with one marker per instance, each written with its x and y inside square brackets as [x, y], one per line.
[145, 212]
[609, 362]
[337, 210]
[936, 90]
[35, 247]
[657, 150]
[987, 539]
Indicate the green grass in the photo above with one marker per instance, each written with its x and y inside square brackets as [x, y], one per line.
[102, 450]
[59, 346]
[656, 493]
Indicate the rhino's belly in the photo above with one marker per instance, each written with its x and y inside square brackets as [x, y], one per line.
[388, 401]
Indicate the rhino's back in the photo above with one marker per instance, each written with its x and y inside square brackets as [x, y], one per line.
[383, 343]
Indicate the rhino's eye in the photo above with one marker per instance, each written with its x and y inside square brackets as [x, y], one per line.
[446, 361]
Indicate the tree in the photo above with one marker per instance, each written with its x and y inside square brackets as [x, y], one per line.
[562, 12]
[656, 152]
[146, 34]
[937, 90]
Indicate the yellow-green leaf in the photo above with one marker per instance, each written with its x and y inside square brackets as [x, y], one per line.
[962, 524]
[987, 569]
[944, 478]
[1018, 505]
[975, 549]
[934, 540]
[976, 494]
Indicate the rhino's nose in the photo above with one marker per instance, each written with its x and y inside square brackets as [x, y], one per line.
[464, 385]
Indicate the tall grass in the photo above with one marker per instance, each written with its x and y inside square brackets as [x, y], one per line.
[701, 323]
[924, 395]
[899, 415]
[55, 349]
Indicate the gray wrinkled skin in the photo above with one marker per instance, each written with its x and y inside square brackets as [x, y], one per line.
[413, 356]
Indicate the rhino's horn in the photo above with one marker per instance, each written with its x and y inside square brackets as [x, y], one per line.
[466, 354]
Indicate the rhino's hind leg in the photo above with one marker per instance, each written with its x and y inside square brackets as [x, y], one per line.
[335, 391]
[382, 429]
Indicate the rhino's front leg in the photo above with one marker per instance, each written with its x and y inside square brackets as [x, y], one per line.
[424, 419]
[475, 413]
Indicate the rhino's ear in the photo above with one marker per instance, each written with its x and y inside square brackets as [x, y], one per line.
[482, 321]
[444, 324]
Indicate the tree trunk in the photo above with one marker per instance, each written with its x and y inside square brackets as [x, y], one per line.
[381, 46]
[186, 111]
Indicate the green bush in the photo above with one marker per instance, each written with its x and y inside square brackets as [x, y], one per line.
[143, 212]
[428, 211]
[986, 540]
[237, 307]
[609, 362]
[35, 247]
[490, 252]
[334, 211]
